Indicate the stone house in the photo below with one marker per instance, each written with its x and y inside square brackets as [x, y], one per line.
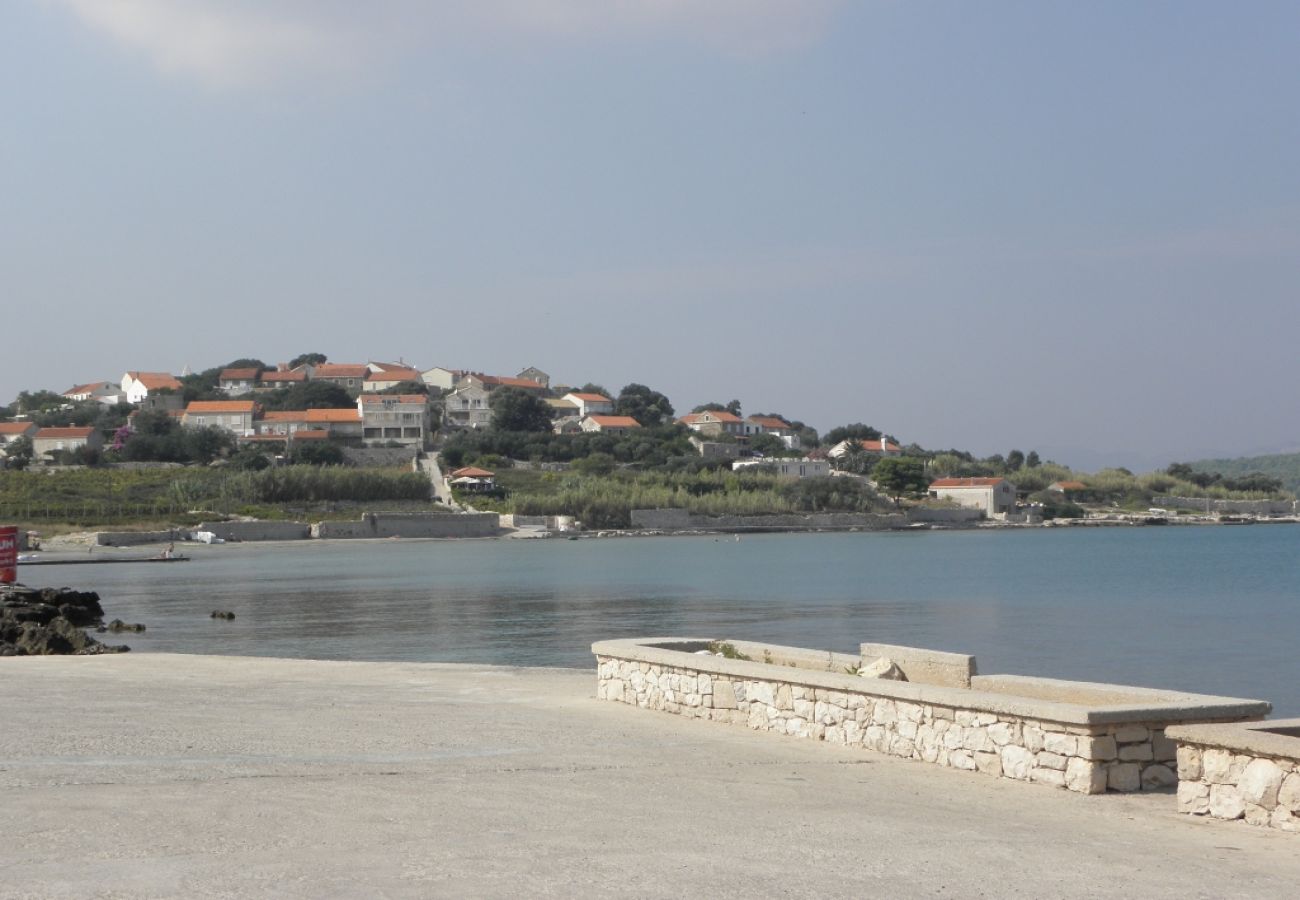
[138, 386]
[235, 382]
[343, 423]
[532, 373]
[235, 416]
[347, 376]
[992, 495]
[48, 441]
[280, 378]
[467, 407]
[473, 480]
[609, 424]
[714, 422]
[280, 423]
[773, 425]
[403, 418]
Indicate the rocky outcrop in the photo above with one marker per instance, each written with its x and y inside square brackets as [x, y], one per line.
[47, 621]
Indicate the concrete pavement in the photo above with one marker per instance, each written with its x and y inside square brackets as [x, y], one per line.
[151, 775]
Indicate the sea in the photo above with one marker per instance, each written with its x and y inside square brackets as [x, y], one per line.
[1205, 609]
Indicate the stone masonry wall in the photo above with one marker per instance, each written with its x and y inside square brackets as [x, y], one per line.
[1087, 759]
[1224, 784]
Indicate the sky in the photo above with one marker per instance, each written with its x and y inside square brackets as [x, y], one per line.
[1070, 227]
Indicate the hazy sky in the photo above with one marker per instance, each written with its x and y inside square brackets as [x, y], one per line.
[1065, 226]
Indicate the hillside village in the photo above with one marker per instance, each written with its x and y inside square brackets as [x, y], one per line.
[313, 411]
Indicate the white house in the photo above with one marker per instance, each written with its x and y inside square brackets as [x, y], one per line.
[788, 468]
[389, 377]
[108, 393]
[48, 441]
[395, 417]
[774, 426]
[12, 431]
[881, 447]
[590, 404]
[443, 379]
[138, 385]
[235, 382]
[992, 495]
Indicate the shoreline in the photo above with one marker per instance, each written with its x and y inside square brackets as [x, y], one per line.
[256, 775]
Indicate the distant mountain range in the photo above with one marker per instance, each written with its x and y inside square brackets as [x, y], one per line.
[1285, 466]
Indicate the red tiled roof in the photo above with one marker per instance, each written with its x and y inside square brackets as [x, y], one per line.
[769, 422]
[719, 415]
[283, 376]
[471, 472]
[46, 434]
[340, 370]
[880, 446]
[351, 414]
[87, 388]
[394, 375]
[590, 398]
[219, 406]
[615, 421]
[16, 427]
[966, 482]
[155, 381]
[285, 415]
[238, 375]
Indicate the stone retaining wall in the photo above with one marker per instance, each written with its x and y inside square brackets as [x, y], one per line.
[1245, 507]
[135, 538]
[1245, 771]
[434, 525]
[257, 531]
[1062, 744]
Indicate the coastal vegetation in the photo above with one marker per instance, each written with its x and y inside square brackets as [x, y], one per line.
[178, 494]
[606, 499]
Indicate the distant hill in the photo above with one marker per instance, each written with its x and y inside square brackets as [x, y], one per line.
[1285, 466]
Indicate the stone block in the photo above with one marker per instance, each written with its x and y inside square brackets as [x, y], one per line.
[1085, 777]
[1033, 738]
[833, 734]
[909, 712]
[1288, 796]
[1062, 744]
[1226, 802]
[961, 759]
[1193, 798]
[1216, 765]
[952, 738]
[705, 682]
[761, 692]
[965, 717]
[1131, 734]
[1158, 777]
[977, 738]
[724, 695]
[784, 699]
[852, 732]
[796, 726]
[1016, 761]
[1047, 776]
[989, 763]
[1260, 783]
[757, 718]
[901, 746]
[1136, 753]
[1189, 764]
[1284, 820]
[1100, 747]
[1045, 760]
[1256, 815]
[1124, 777]
[942, 712]
[614, 691]
[1164, 749]
[1003, 733]
[805, 709]
[885, 712]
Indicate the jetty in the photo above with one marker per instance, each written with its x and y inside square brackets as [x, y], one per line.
[145, 775]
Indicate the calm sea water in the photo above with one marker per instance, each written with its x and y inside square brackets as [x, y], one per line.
[1215, 610]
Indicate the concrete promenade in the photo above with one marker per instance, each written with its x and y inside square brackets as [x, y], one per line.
[193, 776]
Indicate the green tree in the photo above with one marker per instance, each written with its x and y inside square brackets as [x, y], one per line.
[308, 359]
[19, 452]
[648, 407]
[899, 475]
[308, 395]
[855, 432]
[1032, 461]
[1015, 461]
[591, 388]
[316, 453]
[36, 401]
[514, 409]
[732, 407]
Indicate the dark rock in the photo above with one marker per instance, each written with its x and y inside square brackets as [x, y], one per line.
[117, 625]
[51, 621]
[222, 614]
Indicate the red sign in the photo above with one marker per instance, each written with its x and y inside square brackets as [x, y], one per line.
[8, 554]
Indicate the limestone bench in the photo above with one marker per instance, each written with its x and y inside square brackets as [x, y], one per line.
[1082, 736]
[1247, 770]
